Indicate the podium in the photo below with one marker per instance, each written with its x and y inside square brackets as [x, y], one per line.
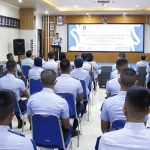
[57, 50]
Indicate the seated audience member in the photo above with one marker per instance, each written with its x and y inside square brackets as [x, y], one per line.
[95, 68]
[10, 139]
[134, 135]
[142, 63]
[72, 63]
[12, 83]
[79, 73]
[51, 64]
[113, 86]
[47, 102]
[112, 107]
[62, 56]
[36, 71]
[28, 61]
[121, 55]
[18, 70]
[67, 84]
[43, 61]
[86, 65]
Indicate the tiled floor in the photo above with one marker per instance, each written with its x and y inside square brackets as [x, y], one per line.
[90, 129]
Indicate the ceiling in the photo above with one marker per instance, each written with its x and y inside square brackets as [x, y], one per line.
[66, 7]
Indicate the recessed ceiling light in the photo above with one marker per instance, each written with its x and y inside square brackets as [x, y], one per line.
[87, 13]
[19, 1]
[136, 5]
[75, 6]
[105, 5]
[46, 12]
[124, 13]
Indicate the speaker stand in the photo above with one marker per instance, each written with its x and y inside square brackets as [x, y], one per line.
[19, 61]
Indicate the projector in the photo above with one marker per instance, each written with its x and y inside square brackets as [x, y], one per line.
[102, 1]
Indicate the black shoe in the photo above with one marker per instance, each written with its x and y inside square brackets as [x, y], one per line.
[75, 133]
[30, 127]
[20, 123]
[85, 111]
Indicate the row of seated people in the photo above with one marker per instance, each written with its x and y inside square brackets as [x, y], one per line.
[66, 83]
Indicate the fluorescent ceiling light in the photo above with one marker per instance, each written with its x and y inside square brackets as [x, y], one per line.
[87, 13]
[46, 12]
[75, 6]
[19, 1]
[124, 13]
[136, 5]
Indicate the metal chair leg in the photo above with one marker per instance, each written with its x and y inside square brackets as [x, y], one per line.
[78, 135]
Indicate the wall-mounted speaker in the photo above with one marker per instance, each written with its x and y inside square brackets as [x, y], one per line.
[19, 47]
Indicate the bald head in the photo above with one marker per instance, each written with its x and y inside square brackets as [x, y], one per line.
[48, 77]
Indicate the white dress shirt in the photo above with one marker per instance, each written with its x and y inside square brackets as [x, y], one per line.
[10, 82]
[35, 73]
[13, 141]
[95, 69]
[47, 102]
[134, 136]
[113, 74]
[113, 86]
[112, 108]
[67, 84]
[27, 62]
[114, 67]
[51, 64]
[81, 74]
[16, 73]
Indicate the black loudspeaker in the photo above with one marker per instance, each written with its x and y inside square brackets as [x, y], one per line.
[19, 47]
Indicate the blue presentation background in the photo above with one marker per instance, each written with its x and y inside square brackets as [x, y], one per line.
[138, 30]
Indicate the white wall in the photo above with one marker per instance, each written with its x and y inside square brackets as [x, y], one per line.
[62, 30]
[7, 34]
[38, 21]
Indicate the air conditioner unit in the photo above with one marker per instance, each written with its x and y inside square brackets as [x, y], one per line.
[101, 1]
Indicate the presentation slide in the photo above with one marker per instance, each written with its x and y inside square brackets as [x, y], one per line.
[106, 37]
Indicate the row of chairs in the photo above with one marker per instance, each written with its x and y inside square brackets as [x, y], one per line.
[106, 71]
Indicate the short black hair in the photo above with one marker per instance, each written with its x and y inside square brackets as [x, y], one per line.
[57, 33]
[62, 56]
[41, 55]
[122, 55]
[143, 57]
[121, 63]
[51, 55]
[29, 53]
[90, 57]
[10, 65]
[6, 104]
[137, 101]
[9, 55]
[76, 56]
[128, 77]
[65, 65]
[84, 56]
[48, 77]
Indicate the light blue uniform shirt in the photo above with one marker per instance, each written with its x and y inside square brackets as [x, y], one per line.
[47, 102]
[113, 86]
[16, 73]
[112, 108]
[114, 67]
[139, 64]
[12, 141]
[81, 74]
[134, 136]
[27, 62]
[114, 74]
[35, 73]
[87, 66]
[95, 69]
[57, 41]
[148, 71]
[51, 64]
[10, 82]
[67, 84]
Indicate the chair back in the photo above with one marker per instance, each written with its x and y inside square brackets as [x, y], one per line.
[35, 86]
[105, 74]
[118, 123]
[25, 70]
[142, 76]
[47, 132]
[84, 89]
[71, 103]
